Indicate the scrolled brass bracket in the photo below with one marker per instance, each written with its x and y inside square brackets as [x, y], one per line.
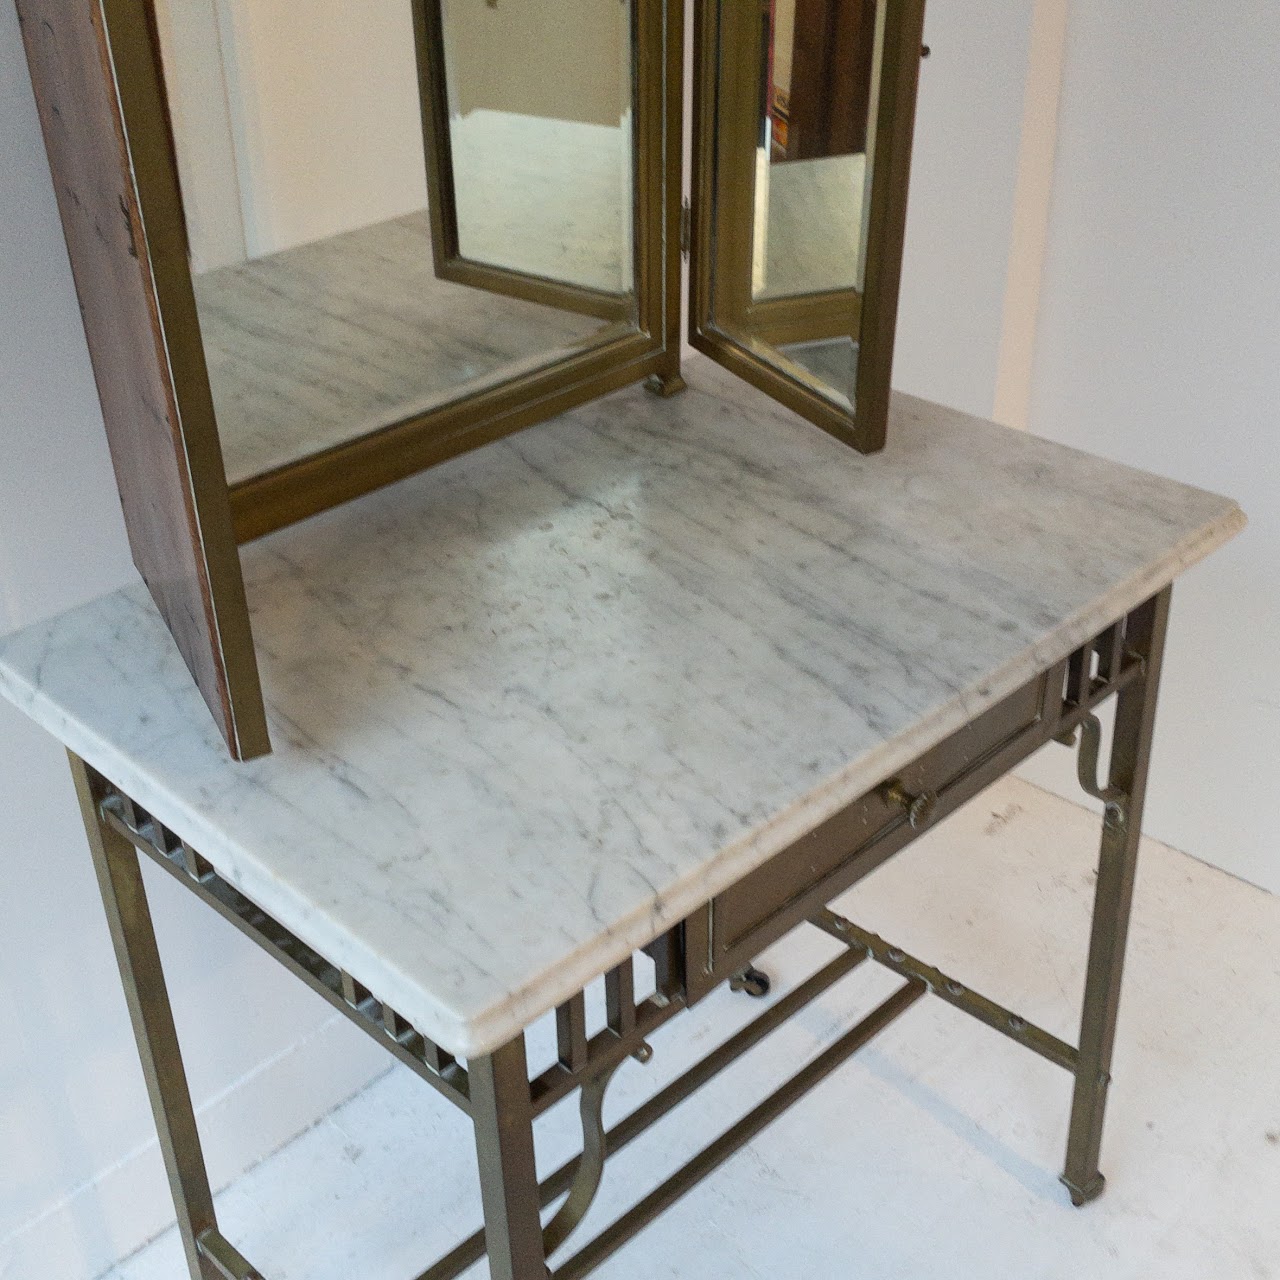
[1115, 801]
[586, 1181]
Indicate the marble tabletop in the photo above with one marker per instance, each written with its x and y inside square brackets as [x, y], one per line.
[533, 707]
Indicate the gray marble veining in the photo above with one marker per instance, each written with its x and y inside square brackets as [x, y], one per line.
[533, 707]
[321, 344]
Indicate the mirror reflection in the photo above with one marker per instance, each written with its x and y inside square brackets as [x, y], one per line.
[327, 304]
[541, 145]
[798, 83]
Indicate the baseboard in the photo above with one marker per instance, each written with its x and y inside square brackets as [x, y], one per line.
[114, 1214]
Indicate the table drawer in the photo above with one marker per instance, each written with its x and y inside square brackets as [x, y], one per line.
[772, 900]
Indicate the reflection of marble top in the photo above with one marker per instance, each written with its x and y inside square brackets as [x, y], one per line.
[326, 342]
[533, 707]
[547, 197]
[815, 225]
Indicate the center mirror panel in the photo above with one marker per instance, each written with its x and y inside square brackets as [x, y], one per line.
[802, 156]
[395, 208]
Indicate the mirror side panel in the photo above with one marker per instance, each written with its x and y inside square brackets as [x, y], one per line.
[803, 128]
[167, 458]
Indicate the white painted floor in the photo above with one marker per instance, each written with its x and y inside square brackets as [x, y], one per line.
[933, 1153]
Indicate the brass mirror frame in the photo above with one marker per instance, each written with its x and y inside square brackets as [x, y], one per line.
[723, 194]
[648, 349]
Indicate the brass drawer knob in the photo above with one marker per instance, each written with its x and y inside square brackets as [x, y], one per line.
[918, 808]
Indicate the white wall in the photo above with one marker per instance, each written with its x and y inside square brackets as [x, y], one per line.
[80, 1177]
[1033, 196]
[1150, 196]
[963, 192]
[1159, 345]
[289, 127]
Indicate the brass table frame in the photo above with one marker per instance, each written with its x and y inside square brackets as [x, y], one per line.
[496, 1090]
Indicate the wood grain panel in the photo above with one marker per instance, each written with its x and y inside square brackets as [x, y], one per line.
[139, 315]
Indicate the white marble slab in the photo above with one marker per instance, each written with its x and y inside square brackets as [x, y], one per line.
[533, 707]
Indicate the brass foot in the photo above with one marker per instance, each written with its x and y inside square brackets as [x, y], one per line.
[665, 385]
[1081, 1196]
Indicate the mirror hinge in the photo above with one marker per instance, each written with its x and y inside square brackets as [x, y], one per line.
[686, 227]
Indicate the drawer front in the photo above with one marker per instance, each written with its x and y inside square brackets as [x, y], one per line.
[770, 901]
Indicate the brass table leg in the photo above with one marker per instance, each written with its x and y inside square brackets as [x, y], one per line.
[124, 897]
[1122, 827]
[502, 1112]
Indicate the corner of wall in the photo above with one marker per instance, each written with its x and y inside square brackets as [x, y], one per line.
[1032, 205]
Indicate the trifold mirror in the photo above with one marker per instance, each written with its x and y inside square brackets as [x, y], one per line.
[319, 249]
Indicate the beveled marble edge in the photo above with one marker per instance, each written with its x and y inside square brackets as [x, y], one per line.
[486, 1031]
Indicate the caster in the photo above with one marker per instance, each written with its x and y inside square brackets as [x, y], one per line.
[755, 982]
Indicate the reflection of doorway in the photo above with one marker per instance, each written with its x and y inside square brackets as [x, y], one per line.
[290, 132]
[828, 76]
[192, 43]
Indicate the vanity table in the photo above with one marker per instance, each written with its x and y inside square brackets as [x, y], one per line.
[571, 725]
[616, 703]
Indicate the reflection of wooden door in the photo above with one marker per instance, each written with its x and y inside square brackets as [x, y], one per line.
[831, 77]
